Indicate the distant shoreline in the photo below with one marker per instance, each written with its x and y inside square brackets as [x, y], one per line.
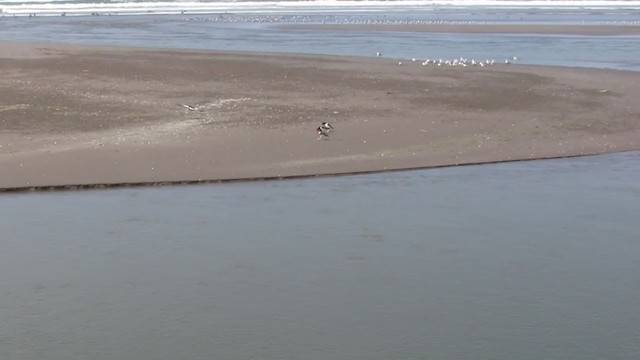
[94, 116]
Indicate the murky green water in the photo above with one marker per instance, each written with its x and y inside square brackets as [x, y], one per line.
[532, 260]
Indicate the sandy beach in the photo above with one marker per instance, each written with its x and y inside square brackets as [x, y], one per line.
[75, 116]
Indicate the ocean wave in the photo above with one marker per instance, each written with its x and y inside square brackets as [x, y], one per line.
[125, 7]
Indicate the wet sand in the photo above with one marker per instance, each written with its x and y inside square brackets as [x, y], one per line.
[84, 115]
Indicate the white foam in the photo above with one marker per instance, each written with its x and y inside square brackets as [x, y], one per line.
[59, 7]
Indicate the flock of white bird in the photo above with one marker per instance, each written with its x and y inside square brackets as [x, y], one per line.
[461, 61]
[369, 19]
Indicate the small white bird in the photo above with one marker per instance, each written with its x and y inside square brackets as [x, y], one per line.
[189, 107]
[378, 53]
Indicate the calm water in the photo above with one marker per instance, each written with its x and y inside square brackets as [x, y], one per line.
[532, 260]
[207, 32]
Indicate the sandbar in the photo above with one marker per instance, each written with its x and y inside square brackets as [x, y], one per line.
[75, 116]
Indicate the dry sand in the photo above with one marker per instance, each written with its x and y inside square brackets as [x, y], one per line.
[80, 115]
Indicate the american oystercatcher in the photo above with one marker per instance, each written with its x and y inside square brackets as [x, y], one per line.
[326, 126]
[324, 134]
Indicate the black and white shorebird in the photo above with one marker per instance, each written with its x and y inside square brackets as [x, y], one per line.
[324, 133]
[326, 126]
